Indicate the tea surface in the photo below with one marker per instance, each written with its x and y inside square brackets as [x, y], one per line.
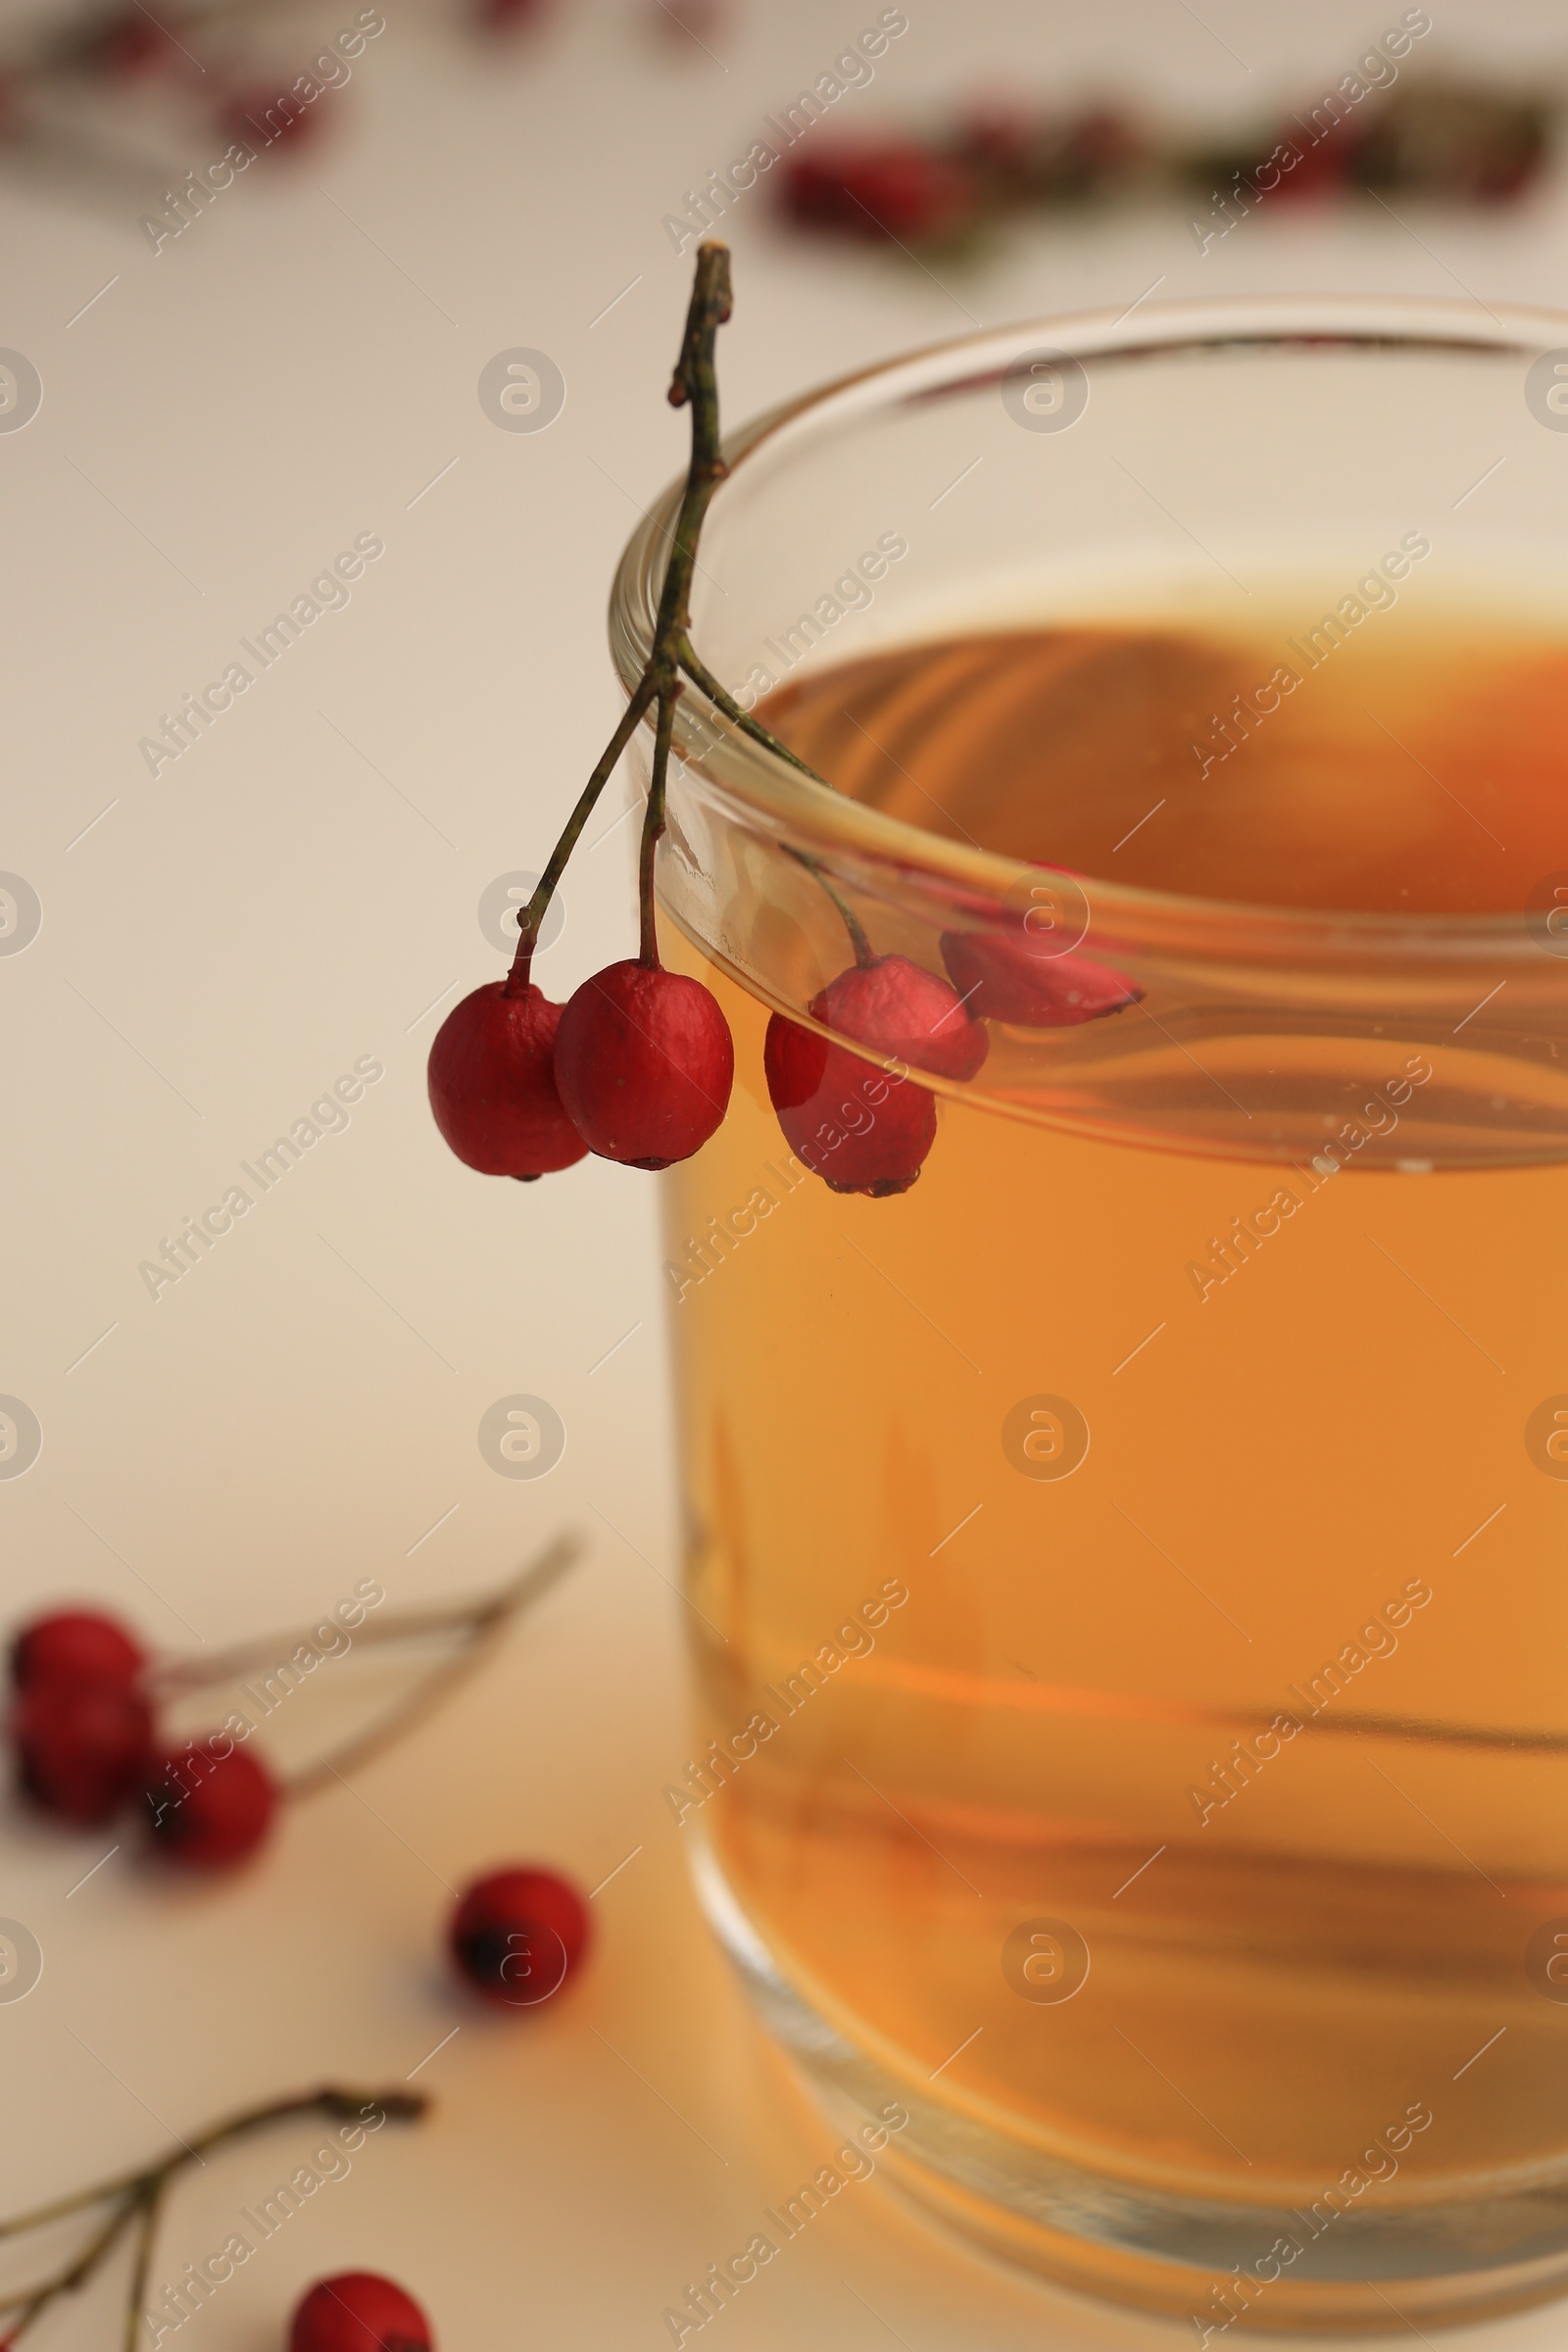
[1394, 766]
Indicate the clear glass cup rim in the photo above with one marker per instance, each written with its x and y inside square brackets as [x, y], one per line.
[810, 814]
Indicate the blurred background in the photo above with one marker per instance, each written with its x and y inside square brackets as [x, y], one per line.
[216, 389]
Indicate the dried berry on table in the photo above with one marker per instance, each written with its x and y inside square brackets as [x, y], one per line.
[359, 2311]
[517, 1934]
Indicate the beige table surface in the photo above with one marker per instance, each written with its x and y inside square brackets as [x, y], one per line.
[299, 891]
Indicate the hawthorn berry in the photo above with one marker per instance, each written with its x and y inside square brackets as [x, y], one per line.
[1023, 980]
[518, 1935]
[358, 2311]
[210, 1804]
[260, 117]
[908, 1013]
[859, 1128]
[1102, 145]
[134, 44]
[81, 1747]
[1320, 165]
[645, 1061]
[493, 1085]
[875, 188]
[1021, 155]
[75, 1646]
[510, 16]
[688, 20]
[998, 139]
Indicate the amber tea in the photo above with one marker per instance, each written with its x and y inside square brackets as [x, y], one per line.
[1103, 1554]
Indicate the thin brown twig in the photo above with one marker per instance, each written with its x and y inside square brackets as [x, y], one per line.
[533, 914]
[653, 825]
[136, 2300]
[200, 1672]
[138, 2196]
[488, 1627]
[722, 699]
[33, 2301]
[694, 386]
[399, 2106]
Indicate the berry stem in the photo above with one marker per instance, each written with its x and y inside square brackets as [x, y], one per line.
[533, 914]
[398, 2106]
[694, 382]
[146, 2235]
[528, 1584]
[701, 676]
[483, 1624]
[137, 2197]
[865, 953]
[33, 2301]
[653, 825]
[694, 386]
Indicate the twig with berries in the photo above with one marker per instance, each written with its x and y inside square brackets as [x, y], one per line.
[83, 1725]
[637, 1065]
[132, 2202]
[200, 50]
[942, 188]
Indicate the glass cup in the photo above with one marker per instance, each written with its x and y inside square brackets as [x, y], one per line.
[1125, 1568]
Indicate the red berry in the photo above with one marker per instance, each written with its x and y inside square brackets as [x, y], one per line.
[1018, 978]
[859, 1128]
[1104, 144]
[493, 1084]
[210, 1804]
[134, 44]
[358, 2311]
[262, 117]
[510, 15]
[645, 1061]
[998, 138]
[75, 1646]
[1325, 162]
[80, 1747]
[908, 1013]
[854, 1125]
[1053, 159]
[688, 20]
[895, 188]
[516, 1935]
